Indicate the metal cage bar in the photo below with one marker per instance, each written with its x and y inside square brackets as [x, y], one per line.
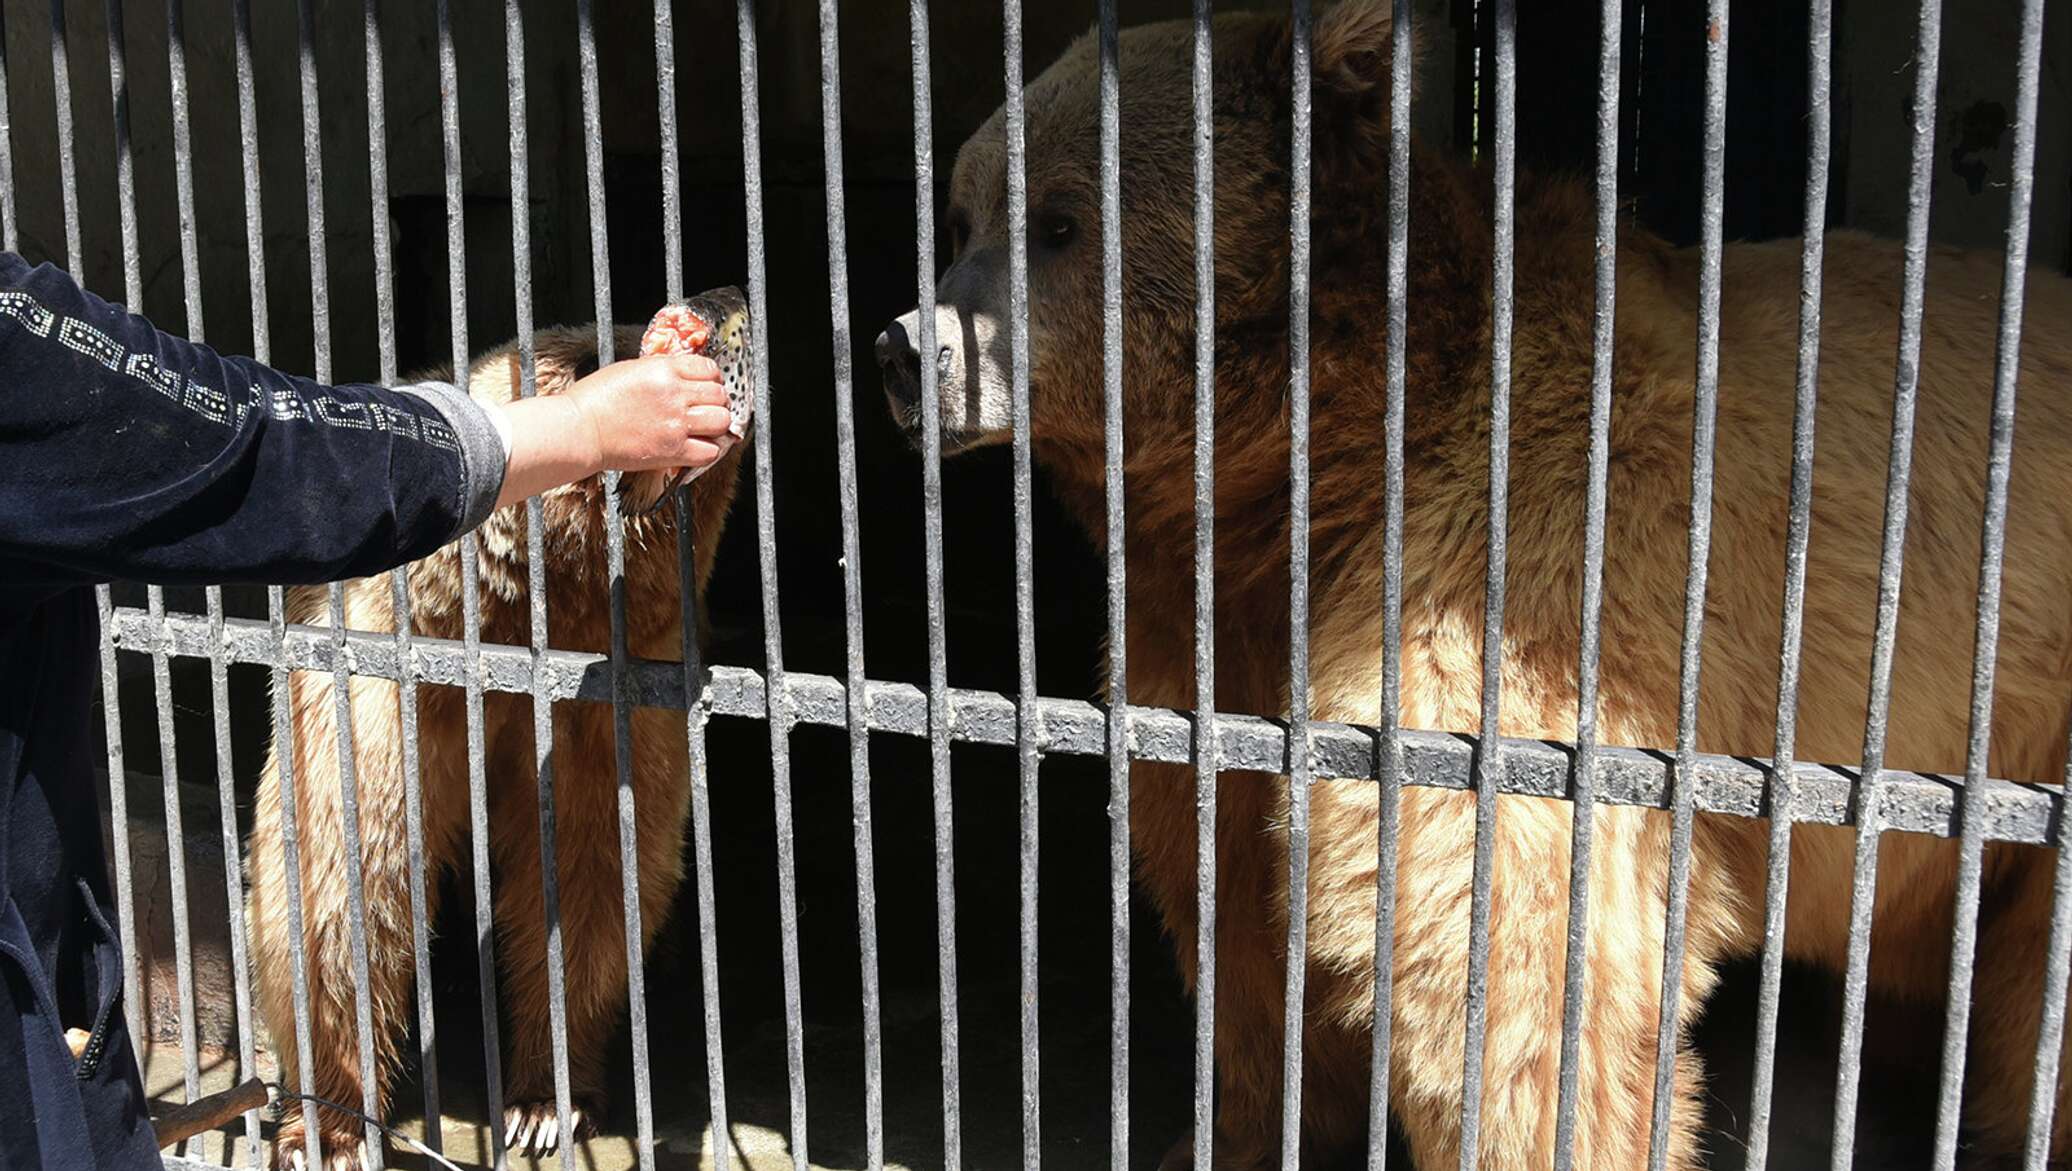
[68, 170]
[1783, 813]
[1870, 796]
[276, 601]
[1300, 773]
[399, 578]
[1583, 836]
[615, 561]
[858, 720]
[341, 685]
[1389, 743]
[1116, 551]
[104, 598]
[471, 645]
[1205, 795]
[2050, 1031]
[939, 707]
[219, 669]
[2006, 371]
[1705, 411]
[1028, 761]
[779, 719]
[536, 578]
[1488, 761]
[698, 711]
[161, 671]
[8, 223]
[1913, 802]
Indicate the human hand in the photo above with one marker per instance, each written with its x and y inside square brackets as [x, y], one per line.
[637, 415]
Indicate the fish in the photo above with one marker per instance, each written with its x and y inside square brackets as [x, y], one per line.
[714, 323]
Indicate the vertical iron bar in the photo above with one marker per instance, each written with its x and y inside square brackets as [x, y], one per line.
[1390, 765]
[219, 671]
[176, 846]
[276, 603]
[1799, 528]
[214, 595]
[427, 1033]
[161, 669]
[248, 150]
[313, 191]
[183, 165]
[8, 231]
[1292, 1016]
[68, 174]
[938, 672]
[1118, 644]
[2006, 370]
[1487, 765]
[291, 853]
[176, 836]
[471, 644]
[1705, 410]
[118, 797]
[1207, 748]
[377, 197]
[536, 561]
[615, 556]
[672, 159]
[697, 714]
[1027, 730]
[399, 579]
[776, 689]
[698, 709]
[341, 677]
[852, 575]
[2050, 1031]
[1583, 778]
[348, 766]
[1906, 378]
[233, 872]
[125, 177]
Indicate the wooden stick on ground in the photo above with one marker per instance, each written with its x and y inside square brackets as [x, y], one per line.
[177, 1124]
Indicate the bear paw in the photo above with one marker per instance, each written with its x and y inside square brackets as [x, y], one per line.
[343, 1147]
[531, 1126]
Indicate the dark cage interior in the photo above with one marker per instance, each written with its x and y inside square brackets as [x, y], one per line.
[1661, 84]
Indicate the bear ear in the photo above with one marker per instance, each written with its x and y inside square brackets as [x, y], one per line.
[1351, 46]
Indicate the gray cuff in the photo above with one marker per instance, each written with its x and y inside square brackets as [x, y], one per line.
[484, 452]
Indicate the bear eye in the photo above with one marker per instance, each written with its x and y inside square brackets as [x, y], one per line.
[960, 234]
[1055, 230]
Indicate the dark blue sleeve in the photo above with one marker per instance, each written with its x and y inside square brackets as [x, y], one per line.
[126, 453]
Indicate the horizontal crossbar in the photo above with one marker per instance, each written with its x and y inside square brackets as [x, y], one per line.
[1821, 794]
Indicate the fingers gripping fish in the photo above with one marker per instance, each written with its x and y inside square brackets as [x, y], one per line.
[713, 323]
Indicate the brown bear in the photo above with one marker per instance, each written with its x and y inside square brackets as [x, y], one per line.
[585, 791]
[1445, 445]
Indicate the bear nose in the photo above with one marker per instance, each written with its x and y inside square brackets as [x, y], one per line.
[901, 364]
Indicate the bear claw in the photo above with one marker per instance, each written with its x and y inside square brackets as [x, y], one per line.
[534, 1128]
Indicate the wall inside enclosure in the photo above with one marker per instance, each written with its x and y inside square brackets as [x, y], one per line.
[1662, 82]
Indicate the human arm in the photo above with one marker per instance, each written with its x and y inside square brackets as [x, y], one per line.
[128, 453]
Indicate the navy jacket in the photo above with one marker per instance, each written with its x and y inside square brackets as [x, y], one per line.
[129, 454]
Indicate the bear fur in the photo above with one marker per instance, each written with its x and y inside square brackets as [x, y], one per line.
[1445, 502]
[585, 792]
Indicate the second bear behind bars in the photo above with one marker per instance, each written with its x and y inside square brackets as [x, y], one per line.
[585, 796]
